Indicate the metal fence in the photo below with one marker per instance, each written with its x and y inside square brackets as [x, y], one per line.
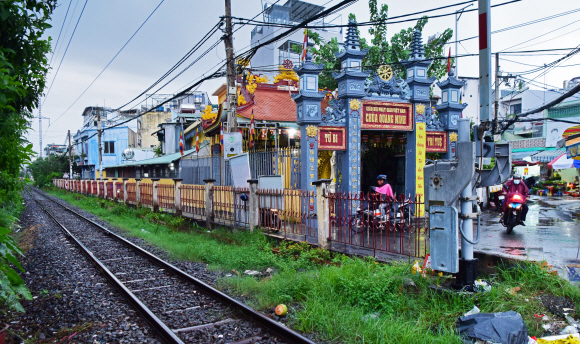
[109, 191]
[192, 200]
[285, 162]
[132, 192]
[360, 222]
[94, 187]
[289, 213]
[146, 192]
[166, 196]
[228, 207]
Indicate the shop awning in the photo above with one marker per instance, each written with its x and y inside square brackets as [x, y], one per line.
[517, 156]
[562, 162]
[548, 155]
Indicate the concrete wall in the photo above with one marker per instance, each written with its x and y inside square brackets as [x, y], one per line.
[148, 125]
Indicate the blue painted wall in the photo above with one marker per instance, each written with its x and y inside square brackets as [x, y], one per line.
[119, 135]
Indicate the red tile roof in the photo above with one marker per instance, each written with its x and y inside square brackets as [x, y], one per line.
[271, 104]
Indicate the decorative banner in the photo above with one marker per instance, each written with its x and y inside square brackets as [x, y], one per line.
[436, 142]
[573, 151]
[387, 116]
[420, 163]
[331, 138]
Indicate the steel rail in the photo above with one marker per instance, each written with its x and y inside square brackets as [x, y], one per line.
[165, 332]
[258, 318]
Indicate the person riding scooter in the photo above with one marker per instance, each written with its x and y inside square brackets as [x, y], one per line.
[515, 186]
[384, 190]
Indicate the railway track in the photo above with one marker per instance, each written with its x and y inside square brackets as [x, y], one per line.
[181, 308]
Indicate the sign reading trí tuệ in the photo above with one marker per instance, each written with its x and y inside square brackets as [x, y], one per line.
[387, 116]
[331, 138]
[436, 142]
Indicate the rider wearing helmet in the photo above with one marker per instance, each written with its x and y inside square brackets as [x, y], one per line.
[516, 186]
[384, 187]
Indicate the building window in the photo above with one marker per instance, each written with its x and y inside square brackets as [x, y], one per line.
[421, 72]
[409, 73]
[109, 147]
[354, 64]
[444, 97]
[311, 83]
[515, 109]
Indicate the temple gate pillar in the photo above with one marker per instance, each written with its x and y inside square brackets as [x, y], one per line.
[419, 84]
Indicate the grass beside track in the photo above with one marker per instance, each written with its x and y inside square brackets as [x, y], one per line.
[354, 301]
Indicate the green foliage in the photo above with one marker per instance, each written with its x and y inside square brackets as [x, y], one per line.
[44, 170]
[23, 68]
[380, 50]
[158, 151]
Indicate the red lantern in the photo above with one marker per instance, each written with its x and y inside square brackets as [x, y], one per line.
[365, 138]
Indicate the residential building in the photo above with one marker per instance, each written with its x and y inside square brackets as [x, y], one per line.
[291, 12]
[53, 148]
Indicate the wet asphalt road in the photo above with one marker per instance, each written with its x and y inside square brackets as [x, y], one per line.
[552, 233]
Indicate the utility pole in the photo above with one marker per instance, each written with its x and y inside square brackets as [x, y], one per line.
[99, 143]
[231, 76]
[69, 157]
[496, 100]
[40, 125]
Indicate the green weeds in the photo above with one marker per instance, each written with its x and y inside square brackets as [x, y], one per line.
[342, 299]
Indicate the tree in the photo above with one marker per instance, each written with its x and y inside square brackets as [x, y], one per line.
[23, 68]
[381, 51]
[43, 170]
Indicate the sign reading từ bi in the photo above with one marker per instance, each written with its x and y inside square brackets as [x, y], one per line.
[331, 138]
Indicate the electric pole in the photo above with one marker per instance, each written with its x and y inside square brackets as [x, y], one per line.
[496, 100]
[69, 157]
[40, 125]
[99, 143]
[231, 72]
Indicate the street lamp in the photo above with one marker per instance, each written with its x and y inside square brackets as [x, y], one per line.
[456, 37]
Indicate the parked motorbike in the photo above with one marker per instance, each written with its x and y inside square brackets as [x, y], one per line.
[374, 216]
[511, 217]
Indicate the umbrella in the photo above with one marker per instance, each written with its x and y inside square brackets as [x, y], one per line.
[562, 162]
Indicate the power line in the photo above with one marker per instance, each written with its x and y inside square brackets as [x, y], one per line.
[58, 39]
[60, 64]
[561, 27]
[535, 21]
[531, 65]
[108, 64]
[378, 22]
[178, 63]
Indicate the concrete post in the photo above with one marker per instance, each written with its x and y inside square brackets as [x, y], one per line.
[322, 212]
[177, 201]
[254, 204]
[155, 194]
[137, 191]
[105, 184]
[114, 189]
[208, 202]
[125, 180]
[98, 188]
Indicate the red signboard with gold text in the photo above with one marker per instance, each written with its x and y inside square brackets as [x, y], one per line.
[331, 138]
[386, 116]
[436, 142]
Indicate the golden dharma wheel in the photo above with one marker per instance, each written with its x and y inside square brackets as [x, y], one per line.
[385, 72]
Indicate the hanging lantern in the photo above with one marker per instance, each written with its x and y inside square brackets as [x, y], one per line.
[263, 134]
[377, 139]
[365, 138]
[389, 140]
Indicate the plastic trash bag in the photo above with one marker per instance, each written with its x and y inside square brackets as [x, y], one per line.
[505, 327]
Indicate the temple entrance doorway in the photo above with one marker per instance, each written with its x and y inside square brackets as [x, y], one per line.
[383, 153]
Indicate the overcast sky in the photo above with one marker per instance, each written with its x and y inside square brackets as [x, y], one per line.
[178, 24]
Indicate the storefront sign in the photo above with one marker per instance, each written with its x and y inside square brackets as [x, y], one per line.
[436, 142]
[331, 138]
[387, 116]
[420, 163]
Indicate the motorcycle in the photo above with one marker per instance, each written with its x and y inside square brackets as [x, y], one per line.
[511, 217]
[375, 216]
